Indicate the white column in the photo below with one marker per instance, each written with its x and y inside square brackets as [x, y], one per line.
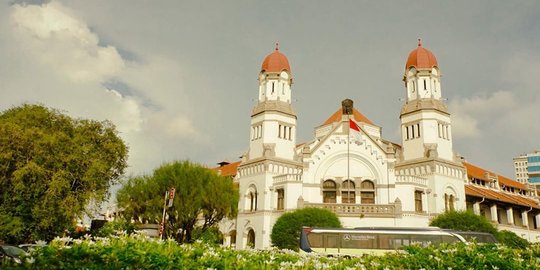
[510, 215]
[525, 219]
[476, 208]
[493, 209]
[537, 217]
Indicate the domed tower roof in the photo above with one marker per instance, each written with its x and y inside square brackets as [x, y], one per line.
[421, 58]
[275, 62]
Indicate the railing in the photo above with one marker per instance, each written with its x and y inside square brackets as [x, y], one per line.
[411, 179]
[287, 178]
[360, 210]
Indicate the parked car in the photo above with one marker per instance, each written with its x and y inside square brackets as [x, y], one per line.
[10, 253]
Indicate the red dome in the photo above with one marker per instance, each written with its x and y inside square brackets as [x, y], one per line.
[275, 62]
[421, 58]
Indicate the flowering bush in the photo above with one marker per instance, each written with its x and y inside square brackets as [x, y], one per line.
[137, 252]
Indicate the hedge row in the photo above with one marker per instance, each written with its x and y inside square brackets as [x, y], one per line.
[135, 252]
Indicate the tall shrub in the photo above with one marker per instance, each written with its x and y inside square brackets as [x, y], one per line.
[512, 240]
[463, 221]
[286, 230]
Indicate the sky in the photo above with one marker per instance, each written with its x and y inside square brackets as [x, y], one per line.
[179, 78]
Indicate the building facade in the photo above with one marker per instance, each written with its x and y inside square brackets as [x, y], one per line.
[520, 169]
[350, 169]
[527, 168]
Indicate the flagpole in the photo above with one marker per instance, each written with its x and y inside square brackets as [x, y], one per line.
[348, 158]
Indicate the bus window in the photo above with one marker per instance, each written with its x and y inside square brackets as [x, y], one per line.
[332, 241]
[357, 240]
[393, 241]
[315, 240]
[426, 240]
[449, 239]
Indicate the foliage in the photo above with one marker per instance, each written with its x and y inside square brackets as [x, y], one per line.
[211, 236]
[51, 167]
[463, 221]
[112, 227]
[286, 230]
[135, 252]
[200, 192]
[511, 239]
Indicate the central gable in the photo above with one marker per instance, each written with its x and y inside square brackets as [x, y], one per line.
[356, 115]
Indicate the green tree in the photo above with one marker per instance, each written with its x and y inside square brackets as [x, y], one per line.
[200, 194]
[286, 230]
[112, 227]
[51, 167]
[463, 221]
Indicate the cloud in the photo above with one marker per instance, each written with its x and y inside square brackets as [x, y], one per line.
[73, 70]
[468, 114]
[57, 37]
[128, 117]
[464, 126]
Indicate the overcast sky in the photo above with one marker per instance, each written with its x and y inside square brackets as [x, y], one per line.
[179, 78]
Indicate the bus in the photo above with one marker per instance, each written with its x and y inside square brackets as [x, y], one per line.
[376, 240]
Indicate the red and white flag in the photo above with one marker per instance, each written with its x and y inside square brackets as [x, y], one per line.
[354, 130]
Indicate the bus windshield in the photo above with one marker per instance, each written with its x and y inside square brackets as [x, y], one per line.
[478, 237]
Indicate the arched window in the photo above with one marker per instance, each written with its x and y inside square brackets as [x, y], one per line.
[251, 239]
[348, 194]
[280, 199]
[329, 191]
[251, 198]
[367, 193]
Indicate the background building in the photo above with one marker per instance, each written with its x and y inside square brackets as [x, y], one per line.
[527, 168]
[520, 168]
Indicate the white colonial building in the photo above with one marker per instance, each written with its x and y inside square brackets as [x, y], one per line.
[365, 179]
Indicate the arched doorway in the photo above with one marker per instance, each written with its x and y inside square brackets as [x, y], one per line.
[250, 239]
[232, 240]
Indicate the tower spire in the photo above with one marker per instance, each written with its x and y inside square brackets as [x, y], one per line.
[277, 46]
[419, 42]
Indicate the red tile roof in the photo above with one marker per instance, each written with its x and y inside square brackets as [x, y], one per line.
[476, 191]
[228, 170]
[358, 116]
[479, 173]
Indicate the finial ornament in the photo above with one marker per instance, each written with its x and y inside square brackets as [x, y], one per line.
[277, 46]
[419, 42]
[347, 106]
